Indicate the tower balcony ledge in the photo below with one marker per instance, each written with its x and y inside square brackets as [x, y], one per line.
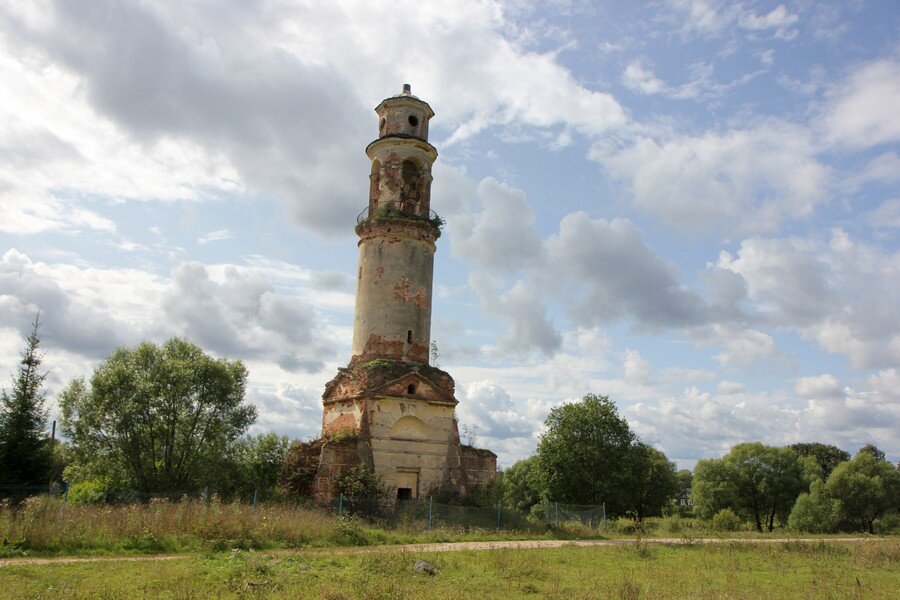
[402, 139]
[400, 211]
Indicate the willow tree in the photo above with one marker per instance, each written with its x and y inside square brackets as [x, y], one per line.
[758, 481]
[156, 418]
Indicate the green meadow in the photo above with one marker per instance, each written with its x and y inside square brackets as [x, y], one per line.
[822, 569]
[45, 526]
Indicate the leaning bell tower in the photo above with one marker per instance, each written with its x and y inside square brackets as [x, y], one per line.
[389, 410]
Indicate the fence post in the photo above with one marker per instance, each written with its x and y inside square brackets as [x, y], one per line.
[499, 509]
[340, 505]
[557, 514]
[66, 493]
[430, 511]
[206, 495]
[604, 515]
[255, 497]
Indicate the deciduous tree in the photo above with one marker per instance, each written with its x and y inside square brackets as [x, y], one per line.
[651, 481]
[522, 487]
[827, 456]
[582, 456]
[589, 455]
[156, 418]
[762, 482]
[816, 511]
[258, 461]
[867, 489]
[685, 479]
[712, 487]
[875, 451]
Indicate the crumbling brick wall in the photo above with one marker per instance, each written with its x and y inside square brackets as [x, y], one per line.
[337, 457]
[478, 466]
[301, 463]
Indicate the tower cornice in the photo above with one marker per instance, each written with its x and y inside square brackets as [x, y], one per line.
[404, 100]
[402, 141]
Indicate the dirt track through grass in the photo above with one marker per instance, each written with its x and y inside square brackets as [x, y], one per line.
[445, 547]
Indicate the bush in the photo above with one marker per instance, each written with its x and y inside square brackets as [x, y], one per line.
[87, 492]
[888, 524]
[725, 520]
[623, 525]
[672, 524]
[349, 533]
[816, 512]
[360, 483]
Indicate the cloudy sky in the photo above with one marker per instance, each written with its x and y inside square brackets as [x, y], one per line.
[689, 205]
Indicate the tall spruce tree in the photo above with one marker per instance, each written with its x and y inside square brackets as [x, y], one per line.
[25, 452]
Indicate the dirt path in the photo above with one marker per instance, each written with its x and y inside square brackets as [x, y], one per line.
[442, 547]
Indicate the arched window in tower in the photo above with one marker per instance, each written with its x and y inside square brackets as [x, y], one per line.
[374, 180]
[424, 192]
[410, 176]
[382, 127]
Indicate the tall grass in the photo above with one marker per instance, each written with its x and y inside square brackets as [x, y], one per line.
[49, 525]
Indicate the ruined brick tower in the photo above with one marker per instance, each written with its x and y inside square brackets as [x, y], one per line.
[389, 409]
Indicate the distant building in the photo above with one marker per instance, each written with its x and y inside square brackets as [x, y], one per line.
[684, 498]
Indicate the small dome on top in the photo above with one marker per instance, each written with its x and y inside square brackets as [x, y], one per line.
[404, 115]
[407, 91]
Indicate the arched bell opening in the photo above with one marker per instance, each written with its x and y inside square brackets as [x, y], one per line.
[410, 174]
[374, 183]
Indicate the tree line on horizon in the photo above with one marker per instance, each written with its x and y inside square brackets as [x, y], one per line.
[170, 418]
[590, 456]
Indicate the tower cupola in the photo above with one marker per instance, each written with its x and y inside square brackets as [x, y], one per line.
[404, 114]
[400, 180]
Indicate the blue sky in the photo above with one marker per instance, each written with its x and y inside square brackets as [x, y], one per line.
[691, 206]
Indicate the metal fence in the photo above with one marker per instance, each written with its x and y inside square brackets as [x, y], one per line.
[429, 514]
[592, 516]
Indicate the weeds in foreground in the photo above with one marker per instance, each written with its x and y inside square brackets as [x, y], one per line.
[49, 526]
[828, 570]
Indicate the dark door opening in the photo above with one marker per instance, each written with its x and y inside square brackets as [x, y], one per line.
[404, 493]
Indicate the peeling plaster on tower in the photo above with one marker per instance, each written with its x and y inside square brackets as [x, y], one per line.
[389, 409]
[397, 237]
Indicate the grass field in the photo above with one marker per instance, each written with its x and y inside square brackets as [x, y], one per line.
[869, 569]
[46, 526]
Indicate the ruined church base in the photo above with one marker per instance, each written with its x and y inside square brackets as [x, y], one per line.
[396, 418]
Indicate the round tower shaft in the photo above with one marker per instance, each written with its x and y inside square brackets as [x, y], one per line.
[397, 233]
